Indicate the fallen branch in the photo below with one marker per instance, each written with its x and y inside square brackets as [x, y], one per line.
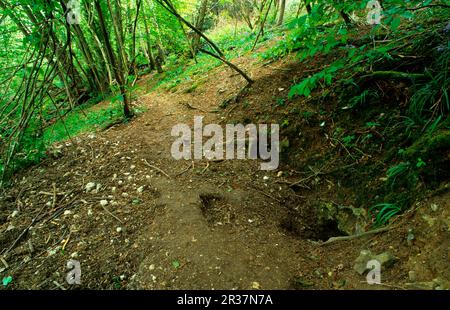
[367, 233]
[394, 75]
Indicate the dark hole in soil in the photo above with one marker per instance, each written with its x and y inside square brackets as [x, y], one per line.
[317, 231]
[215, 209]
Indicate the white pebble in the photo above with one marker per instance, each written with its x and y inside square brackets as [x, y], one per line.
[90, 186]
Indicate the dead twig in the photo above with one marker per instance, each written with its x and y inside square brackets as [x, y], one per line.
[112, 214]
[4, 262]
[206, 168]
[184, 171]
[59, 286]
[156, 168]
[191, 107]
[267, 195]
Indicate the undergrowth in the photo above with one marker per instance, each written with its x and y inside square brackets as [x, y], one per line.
[394, 78]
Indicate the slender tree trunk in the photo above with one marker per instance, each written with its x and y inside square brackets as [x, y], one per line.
[282, 11]
[199, 24]
[148, 41]
[118, 70]
[133, 46]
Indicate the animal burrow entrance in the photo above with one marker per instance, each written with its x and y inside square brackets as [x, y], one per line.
[311, 228]
[216, 210]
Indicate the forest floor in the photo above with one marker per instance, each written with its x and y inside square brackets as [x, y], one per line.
[174, 224]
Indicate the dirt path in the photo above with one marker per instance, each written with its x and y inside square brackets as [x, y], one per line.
[218, 225]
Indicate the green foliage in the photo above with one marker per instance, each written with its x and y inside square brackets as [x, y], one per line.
[384, 212]
[396, 171]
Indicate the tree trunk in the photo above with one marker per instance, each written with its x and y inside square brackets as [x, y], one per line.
[199, 23]
[133, 46]
[282, 11]
[118, 70]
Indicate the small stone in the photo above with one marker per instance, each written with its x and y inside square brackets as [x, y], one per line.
[434, 207]
[410, 237]
[10, 227]
[256, 286]
[119, 229]
[151, 267]
[122, 277]
[133, 167]
[360, 265]
[74, 255]
[90, 213]
[385, 259]
[125, 195]
[90, 186]
[103, 203]
[265, 178]
[53, 251]
[113, 189]
[67, 212]
[140, 190]
[15, 213]
[280, 173]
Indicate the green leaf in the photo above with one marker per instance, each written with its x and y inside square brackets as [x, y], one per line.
[176, 264]
[395, 23]
[6, 281]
